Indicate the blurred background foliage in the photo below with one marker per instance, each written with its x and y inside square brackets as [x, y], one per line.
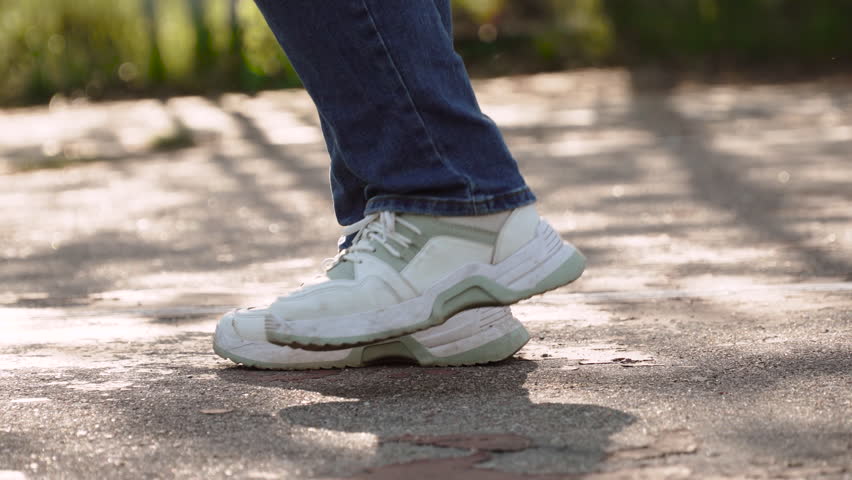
[110, 48]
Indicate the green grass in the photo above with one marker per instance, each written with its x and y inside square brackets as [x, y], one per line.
[52, 163]
[180, 137]
[118, 49]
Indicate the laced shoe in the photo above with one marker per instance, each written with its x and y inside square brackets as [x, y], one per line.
[472, 337]
[405, 273]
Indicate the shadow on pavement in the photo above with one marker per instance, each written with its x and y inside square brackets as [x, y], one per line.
[718, 178]
[472, 405]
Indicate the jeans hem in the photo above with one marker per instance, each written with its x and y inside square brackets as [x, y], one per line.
[451, 207]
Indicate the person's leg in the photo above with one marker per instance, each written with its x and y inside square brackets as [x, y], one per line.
[448, 225]
[347, 190]
[446, 12]
[399, 113]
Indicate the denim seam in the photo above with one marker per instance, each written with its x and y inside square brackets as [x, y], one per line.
[478, 198]
[438, 153]
[427, 205]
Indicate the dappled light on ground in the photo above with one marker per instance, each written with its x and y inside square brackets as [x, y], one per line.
[710, 335]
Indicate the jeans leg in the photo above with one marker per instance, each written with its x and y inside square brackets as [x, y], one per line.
[446, 12]
[397, 102]
[347, 190]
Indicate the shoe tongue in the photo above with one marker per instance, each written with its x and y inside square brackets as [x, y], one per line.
[342, 270]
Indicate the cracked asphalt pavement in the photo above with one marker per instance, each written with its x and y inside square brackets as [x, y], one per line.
[710, 338]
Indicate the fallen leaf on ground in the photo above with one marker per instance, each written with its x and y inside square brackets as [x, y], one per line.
[216, 411]
[623, 361]
[668, 472]
[290, 376]
[99, 386]
[459, 468]
[496, 442]
[669, 442]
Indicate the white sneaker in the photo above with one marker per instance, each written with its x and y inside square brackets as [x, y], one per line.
[405, 273]
[472, 337]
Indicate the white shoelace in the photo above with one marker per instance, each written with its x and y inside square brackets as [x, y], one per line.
[376, 227]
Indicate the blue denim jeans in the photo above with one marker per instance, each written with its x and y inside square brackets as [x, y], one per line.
[399, 116]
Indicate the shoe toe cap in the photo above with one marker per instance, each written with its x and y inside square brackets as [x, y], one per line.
[245, 324]
[241, 337]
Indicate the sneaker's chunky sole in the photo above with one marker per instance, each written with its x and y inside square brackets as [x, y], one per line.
[472, 337]
[543, 264]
